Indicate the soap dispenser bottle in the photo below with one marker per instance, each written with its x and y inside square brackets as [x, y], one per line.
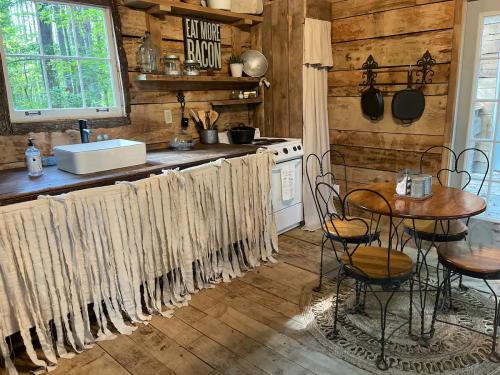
[33, 159]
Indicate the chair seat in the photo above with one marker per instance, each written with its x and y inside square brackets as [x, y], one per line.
[470, 256]
[426, 227]
[373, 262]
[353, 230]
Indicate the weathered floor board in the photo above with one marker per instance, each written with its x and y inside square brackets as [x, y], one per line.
[250, 326]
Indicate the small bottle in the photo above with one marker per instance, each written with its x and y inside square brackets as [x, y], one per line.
[240, 95]
[33, 159]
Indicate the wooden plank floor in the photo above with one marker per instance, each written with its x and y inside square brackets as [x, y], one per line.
[250, 326]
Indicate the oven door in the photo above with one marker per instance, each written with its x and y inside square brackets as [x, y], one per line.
[278, 203]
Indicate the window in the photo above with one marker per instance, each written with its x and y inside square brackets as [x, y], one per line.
[59, 61]
[484, 128]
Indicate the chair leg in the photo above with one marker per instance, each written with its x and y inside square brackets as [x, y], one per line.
[440, 288]
[318, 288]
[381, 359]
[335, 333]
[494, 355]
[410, 320]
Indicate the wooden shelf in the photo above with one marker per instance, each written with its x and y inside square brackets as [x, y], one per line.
[163, 7]
[236, 101]
[152, 82]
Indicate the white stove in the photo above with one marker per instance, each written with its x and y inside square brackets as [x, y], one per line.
[286, 188]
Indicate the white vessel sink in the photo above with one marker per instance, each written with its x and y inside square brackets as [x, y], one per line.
[100, 156]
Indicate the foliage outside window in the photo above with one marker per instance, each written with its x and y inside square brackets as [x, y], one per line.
[59, 60]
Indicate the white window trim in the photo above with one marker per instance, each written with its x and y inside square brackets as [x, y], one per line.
[493, 141]
[19, 116]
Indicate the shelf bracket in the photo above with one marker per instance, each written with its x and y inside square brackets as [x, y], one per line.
[426, 63]
[159, 11]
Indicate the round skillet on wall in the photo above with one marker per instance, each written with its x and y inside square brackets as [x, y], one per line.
[408, 105]
[372, 103]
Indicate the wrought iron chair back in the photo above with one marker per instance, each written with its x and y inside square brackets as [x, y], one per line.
[330, 219]
[322, 174]
[455, 165]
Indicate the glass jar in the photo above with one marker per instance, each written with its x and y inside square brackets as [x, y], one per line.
[149, 56]
[191, 68]
[172, 65]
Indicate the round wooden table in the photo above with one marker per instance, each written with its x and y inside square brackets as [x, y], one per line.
[446, 203]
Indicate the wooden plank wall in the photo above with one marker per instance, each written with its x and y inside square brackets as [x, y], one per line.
[147, 113]
[396, 33]
[283, 47]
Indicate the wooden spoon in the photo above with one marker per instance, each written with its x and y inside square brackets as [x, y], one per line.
[201, 116]
[214, 116]
[194, 116]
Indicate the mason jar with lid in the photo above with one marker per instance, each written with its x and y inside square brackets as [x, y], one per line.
[172, 65]
[191, 68]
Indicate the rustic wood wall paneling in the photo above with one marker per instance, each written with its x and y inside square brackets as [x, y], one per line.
[375, 151]
[256, 44]
[267, 49]
[280, 46]
[296, 48]
[458, 30]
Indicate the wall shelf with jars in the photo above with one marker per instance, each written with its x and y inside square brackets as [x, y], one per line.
[156, 82]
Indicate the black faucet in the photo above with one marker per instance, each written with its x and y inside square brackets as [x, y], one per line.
[84, 132]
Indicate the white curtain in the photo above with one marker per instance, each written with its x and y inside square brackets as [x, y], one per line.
[317, 60]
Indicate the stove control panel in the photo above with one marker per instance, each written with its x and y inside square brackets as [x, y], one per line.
[289, 151]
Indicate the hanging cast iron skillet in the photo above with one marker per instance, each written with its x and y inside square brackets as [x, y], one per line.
[408, 105]
[372, 102]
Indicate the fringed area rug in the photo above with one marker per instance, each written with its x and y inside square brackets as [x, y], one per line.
[453, 350]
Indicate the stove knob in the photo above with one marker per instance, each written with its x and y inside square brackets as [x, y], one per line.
[294, 148]
[285, 150]
[299, 147]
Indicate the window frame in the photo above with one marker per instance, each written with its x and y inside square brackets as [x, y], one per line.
[60, 125]
[496, 126]
[19, 116]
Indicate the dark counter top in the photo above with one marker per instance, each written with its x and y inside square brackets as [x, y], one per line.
[16, 186]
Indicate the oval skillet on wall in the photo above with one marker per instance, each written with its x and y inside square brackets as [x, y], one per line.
[408, 105]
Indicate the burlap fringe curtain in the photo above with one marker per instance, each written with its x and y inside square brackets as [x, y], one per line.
[157, 240]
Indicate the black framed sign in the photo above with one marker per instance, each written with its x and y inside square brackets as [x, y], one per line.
[202, 42]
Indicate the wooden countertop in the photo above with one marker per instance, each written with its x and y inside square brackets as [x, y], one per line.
[16, 186]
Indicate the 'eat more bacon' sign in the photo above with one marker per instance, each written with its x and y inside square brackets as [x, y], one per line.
[202, 42]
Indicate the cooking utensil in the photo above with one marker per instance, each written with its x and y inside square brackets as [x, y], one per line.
[214, 116]
[207, 120]
[201, 116]
[408, 104]
[372, 102]
[242, 134]
[255, 63]
[195, 118]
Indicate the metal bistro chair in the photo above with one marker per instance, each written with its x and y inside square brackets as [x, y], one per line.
[475, 260]
[370, 266]
[344, 231]
[443, 230]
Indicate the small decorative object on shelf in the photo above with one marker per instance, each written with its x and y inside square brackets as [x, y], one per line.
[234, 95]
[412, 185]
[191, 68]
[172, 65]
[240, 95]
[236, 66]
[149, 56]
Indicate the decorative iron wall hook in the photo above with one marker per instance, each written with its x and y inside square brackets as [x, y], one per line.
[370, 75]
[182, 100]
[426, 63]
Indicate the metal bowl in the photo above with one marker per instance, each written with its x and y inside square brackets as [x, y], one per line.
[255, 64]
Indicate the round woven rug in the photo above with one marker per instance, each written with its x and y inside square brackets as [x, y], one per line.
[453, 349]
